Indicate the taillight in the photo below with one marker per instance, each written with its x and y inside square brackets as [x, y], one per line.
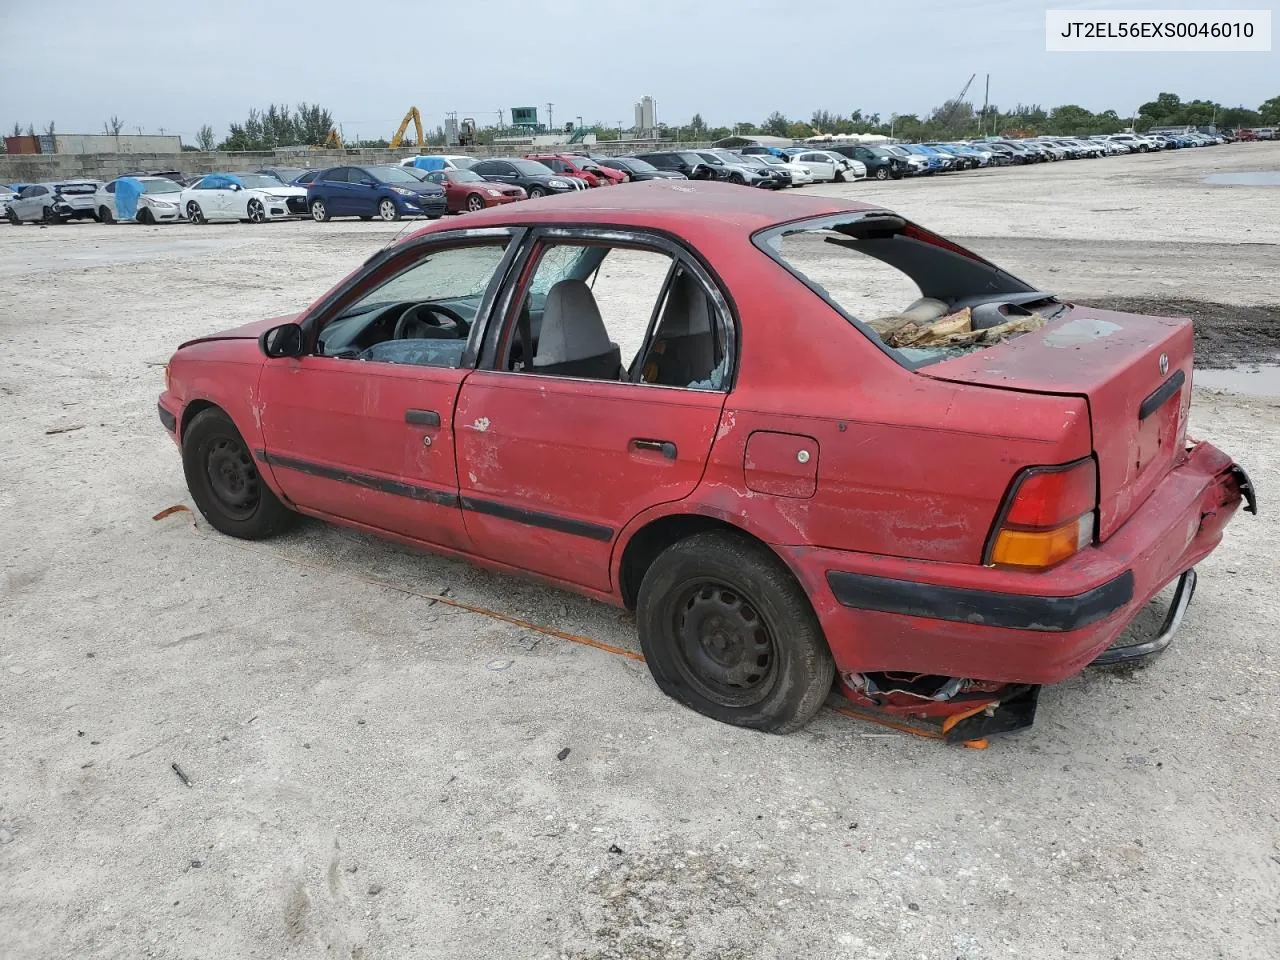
[1047, 516]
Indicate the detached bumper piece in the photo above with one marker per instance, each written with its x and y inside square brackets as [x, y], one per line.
[1134, 652]
[971, 712]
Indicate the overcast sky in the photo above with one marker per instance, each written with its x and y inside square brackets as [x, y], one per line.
[177, 65]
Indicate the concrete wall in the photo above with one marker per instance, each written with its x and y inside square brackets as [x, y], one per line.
[111, 143]
[39, 168]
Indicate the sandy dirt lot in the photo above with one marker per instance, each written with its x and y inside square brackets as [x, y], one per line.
[376, 776]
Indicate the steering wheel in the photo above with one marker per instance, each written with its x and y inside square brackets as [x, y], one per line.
[429, 315]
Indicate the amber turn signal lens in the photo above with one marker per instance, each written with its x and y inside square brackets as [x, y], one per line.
[1042, 548]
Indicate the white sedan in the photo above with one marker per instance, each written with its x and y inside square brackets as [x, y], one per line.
[255, 197]
[800, 173]
[829, 167]
[160, 201]
[5, 196]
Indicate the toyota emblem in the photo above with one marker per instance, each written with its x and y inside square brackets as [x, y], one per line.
[1164, 364]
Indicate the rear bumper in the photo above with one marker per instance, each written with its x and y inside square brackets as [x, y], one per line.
[966, 620]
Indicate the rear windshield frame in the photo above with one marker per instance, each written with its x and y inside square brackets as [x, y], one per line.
[761, 239]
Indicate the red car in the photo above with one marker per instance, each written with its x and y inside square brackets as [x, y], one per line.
[661, 401]
[465, 191]
[572, 165]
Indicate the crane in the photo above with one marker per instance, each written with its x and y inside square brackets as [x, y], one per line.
[334, 140]
[952, 107]
[416, 117]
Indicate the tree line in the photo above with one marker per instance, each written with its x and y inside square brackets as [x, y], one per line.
[309, 124]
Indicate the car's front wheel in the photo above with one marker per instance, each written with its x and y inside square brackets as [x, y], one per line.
[257, 212]
[387, 210]
[104, 215]
[13, 217]
[728, 631]
[194, 213]
[50, 217]
[882, 173]
[475, 203]
[318, 211]
[536, 192]
[224, 480]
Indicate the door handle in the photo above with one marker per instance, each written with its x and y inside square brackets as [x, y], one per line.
[423, 418]
[665, 447]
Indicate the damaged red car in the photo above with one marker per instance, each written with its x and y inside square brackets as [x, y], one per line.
[818, 449]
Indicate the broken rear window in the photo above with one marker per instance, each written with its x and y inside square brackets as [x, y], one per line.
[919, 297]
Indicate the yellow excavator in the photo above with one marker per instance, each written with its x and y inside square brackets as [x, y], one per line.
[333, 141]
[416, 117]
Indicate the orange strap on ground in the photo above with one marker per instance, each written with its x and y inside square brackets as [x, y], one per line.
[448, 601]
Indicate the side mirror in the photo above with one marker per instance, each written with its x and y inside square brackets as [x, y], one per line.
[286, 340]
[235, 186]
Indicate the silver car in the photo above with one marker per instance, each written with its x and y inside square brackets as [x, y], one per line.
[160, 201]
[55, 202]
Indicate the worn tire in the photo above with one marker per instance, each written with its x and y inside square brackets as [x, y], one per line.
[797, 669]
[238, 501]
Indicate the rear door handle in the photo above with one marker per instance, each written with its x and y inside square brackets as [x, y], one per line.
[665, 447]
[423, 418]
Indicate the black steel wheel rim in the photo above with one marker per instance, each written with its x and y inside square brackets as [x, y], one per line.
[233, 478]
[723, 645]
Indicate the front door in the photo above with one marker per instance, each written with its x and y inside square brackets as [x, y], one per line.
[616, 413]
[362, 428]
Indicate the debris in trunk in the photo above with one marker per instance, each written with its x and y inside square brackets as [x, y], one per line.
[953, 330]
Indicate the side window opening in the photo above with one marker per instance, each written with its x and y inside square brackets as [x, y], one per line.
[625, 313]
[423, 314]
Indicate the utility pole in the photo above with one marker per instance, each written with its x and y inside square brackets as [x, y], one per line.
[550, 121]
[619, 131]
[986, 99]
[499, 112]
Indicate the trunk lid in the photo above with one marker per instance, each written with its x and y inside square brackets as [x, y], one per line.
[1135, 373]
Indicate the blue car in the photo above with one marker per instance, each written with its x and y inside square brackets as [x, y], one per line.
[377, 190]
[937, 162]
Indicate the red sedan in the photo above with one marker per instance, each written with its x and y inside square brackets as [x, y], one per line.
[465, 191]
[572, 165]
[666, 400]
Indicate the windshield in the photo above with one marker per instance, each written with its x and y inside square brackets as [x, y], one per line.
[772, 161]
[463, 176]
[454, 274]
[531, 168]
[388, 174]
[690, 158]
[160, 186]
[257, 180]
[285, 174]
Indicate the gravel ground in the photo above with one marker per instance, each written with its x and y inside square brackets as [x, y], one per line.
[370, 774]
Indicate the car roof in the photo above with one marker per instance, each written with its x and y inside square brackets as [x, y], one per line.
[693, 209]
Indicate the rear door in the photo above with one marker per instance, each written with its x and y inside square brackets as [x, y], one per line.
[333, 190]
[552, 466]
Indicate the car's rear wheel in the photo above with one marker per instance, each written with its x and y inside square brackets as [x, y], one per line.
[387, 210]
[318, 211]
[224, 480]
[728, 631]
[535, 192]
[257, 212]
[475, 202]
[194, 213]
[104, 215]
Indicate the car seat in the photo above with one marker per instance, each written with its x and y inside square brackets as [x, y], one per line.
[684, 350]
[573, 341]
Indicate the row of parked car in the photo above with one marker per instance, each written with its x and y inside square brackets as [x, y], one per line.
[433, 185]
